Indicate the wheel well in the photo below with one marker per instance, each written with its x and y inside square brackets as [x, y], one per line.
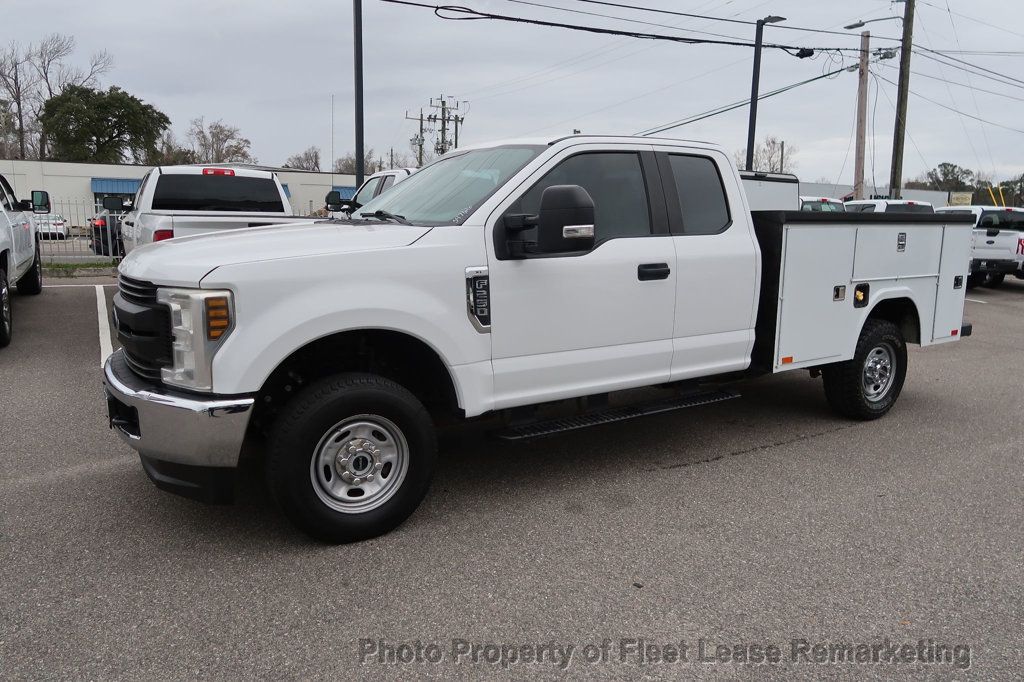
[901, 312]
[3, 261]
[395, 355]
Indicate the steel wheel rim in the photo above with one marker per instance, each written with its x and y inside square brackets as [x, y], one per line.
[359, 463]
[879, 372]
[5, 305]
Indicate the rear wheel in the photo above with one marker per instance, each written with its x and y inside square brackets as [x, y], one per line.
[31, 282]
[351, 457]
[975, 279]
[995, 280]
[6, 315]
[867, 386]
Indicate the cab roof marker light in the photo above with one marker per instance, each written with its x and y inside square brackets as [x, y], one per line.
[218, 171]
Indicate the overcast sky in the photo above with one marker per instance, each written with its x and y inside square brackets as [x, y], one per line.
[270, 68]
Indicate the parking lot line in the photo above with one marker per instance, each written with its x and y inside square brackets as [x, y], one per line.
[106, 348]
[975, 300]
[72, 286]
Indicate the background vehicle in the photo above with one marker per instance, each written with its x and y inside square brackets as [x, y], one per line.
[51, 226]
[997, 247]
[771, 191]
[177, 201]
[372, 187]
[105, 234]
[824, 204]
[20, 263]
[506, 277]
[888, 206]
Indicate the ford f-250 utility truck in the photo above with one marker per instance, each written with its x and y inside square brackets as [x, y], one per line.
[178, 201]
[498, 278]
[20, 261]
[997, 248]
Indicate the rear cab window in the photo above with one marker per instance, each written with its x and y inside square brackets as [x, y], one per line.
[909, 208]
[700, 194]
[236, 193]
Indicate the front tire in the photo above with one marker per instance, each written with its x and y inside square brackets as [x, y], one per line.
[351, 457]
[31, 282]
[6, 313]
[867, 386]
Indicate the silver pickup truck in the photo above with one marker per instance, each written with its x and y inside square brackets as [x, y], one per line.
[177, 201]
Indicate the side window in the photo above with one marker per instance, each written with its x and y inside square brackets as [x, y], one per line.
[368, 191]
[614, 180]
[138, 192]
[701, 194]
[7, 198]
[388, 181]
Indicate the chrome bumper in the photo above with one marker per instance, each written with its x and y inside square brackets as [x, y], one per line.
[174, 426]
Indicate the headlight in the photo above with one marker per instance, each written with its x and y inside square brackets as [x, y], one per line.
[200, 321]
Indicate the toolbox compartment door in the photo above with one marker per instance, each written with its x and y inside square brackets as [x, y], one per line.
[949, 299]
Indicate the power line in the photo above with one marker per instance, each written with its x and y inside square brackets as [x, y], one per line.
[946, 106]
[970, 64]
[468, 14]
[958, 83]
[977, 21]
[889, 100]
[982, 73]
[723, 19]
[732, 106]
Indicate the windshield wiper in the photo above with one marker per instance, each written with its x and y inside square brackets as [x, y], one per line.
[381, 214]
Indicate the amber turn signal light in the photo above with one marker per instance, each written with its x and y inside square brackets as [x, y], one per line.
[218, 317]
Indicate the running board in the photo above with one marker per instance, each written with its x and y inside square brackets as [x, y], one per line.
[615, 414]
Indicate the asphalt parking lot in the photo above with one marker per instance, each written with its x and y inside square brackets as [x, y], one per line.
[754, 522]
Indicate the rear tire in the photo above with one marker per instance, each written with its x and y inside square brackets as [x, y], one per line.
[975, 280]
[867, 386]
[995, 280]
[6, 313]
[31, 282]
[351, 457]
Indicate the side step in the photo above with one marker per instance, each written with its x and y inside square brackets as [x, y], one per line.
[615, 414]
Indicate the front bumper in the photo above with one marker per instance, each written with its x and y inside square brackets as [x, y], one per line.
[996, 266]
[180, 436]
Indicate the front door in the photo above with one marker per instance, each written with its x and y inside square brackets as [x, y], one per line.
[579, 324]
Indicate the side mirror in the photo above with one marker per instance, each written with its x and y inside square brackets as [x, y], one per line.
[40, 201]
[566, 220]
[992, 232]
[335, 203]
[116, 204]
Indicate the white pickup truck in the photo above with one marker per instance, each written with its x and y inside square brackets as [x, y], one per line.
[20, 261]
[997, 248]
[177, 201]
[498, 278]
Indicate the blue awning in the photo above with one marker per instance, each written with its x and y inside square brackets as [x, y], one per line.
[347, 192]
[115, 185]
[287, 193]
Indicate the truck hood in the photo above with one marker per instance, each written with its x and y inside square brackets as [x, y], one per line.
[186, 260]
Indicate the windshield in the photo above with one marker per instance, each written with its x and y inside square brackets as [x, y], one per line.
[448, 191]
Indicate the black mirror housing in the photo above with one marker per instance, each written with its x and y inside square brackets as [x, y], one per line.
[113, 203]
[992, 232]
[566, 220]
[335, 203]
[40, 201]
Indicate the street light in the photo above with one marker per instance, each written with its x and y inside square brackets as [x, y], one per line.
[755, 82]
[861, 23]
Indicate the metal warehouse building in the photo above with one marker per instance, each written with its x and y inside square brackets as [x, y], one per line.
[76, 188]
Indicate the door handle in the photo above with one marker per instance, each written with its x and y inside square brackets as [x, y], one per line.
[128, 223]
[649, 271]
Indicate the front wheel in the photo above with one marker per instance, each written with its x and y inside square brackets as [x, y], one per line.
[6, 314]
[867, 386]
[995, 280]
[31, 283]
[351, 457]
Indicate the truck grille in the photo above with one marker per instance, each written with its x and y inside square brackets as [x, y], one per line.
[143, 327]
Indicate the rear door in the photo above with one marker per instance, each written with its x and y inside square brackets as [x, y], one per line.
[21, 227]
[568, 325]
[716, 264]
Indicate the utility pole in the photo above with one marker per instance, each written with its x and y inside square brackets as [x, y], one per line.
[862, 116]
[449, 115]
[357, 42]
[418, 140]
[896, 177]
[782, 155]
[755, 82]
[392, 158]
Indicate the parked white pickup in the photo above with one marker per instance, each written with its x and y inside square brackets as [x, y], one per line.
[997, 247]
[177, 201]
[19, 251]
[506, 276]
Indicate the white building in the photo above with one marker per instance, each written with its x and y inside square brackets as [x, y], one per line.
[76, 188]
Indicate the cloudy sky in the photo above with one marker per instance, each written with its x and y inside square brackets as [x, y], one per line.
[271, 68]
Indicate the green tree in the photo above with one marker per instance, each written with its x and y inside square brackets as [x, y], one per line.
[97, 126]
[949, 177]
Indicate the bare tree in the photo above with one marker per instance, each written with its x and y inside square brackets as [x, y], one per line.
[54, 74]
[169, 153]
[18, 80]
[768, 156]
[219, 143]
[305, 160]
[347, 164]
